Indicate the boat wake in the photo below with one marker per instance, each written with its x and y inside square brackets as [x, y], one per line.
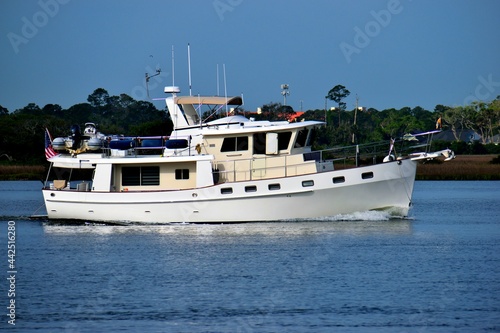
[362, 216]
[372, 215]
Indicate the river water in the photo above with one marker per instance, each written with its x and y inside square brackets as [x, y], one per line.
[437, 271]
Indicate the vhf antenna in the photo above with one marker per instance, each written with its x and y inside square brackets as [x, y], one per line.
[148, 77]
[189, 69]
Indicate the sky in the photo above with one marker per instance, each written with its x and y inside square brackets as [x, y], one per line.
[387, 53]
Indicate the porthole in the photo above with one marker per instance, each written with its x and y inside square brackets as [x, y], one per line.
[251, 188]
[226, 190]
[307, 183]
[338, 180]
[367, 175]
[274, 187]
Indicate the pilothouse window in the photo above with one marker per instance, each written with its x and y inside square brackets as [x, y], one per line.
[260, 141]
[284, 140]
[301, 138]
[238, 143]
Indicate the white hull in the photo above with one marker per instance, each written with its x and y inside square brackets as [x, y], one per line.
[390, 188]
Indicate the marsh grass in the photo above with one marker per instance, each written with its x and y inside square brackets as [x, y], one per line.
[463, 167]
[22, 172]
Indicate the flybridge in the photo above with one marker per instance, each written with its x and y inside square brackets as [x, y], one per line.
[185, 111]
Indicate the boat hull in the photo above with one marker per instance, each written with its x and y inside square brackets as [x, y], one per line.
[387, 186]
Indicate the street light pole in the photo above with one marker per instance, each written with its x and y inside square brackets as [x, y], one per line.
[284, 92]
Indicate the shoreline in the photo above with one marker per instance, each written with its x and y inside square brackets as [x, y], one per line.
[463, 167]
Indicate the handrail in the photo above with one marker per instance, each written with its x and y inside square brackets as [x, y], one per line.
[235, 171]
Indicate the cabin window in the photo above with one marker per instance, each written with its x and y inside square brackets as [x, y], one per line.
[367, 175]
[301, 138]
[238, 143]
[252, 188]
[141, 176]
[338, 180]
[181, 173]
[284, 140]
[259, 143]
[311, 138]
[226, 190]
[274, 187]
[307, 183]
[131, 176]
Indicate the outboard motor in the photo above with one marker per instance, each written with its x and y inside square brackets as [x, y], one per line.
[76, 137]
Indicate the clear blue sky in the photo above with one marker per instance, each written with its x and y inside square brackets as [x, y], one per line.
[391, 53]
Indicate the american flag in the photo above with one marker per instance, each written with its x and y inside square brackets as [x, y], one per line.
[49, 151]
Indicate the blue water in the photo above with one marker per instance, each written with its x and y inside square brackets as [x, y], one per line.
[438, 271]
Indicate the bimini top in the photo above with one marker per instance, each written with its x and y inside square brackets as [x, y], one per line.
[208, 100]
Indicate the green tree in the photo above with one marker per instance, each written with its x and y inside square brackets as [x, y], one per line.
[441, 108]
[276, 111]
[30, 109]
[494, 108]
[52, 109]
[485, 119]
[3, 111]
[99, 98]
[458, 118]
[80, 114]
[337, 94]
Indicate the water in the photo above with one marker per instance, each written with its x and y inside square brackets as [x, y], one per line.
[438, 271]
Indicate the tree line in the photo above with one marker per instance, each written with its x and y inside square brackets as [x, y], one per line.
[22, 131]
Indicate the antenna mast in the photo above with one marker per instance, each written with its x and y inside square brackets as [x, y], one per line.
[189, 69]
[173, 67]
[218, 94]
[225, 87]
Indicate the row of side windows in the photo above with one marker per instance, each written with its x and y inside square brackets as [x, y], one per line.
[305, 183]
[251, 188]
[240, 143]
[341, 179]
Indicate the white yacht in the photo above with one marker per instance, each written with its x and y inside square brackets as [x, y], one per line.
[232, 169]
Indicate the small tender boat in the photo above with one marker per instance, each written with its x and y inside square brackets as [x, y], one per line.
[232, 169]
[78, 142]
